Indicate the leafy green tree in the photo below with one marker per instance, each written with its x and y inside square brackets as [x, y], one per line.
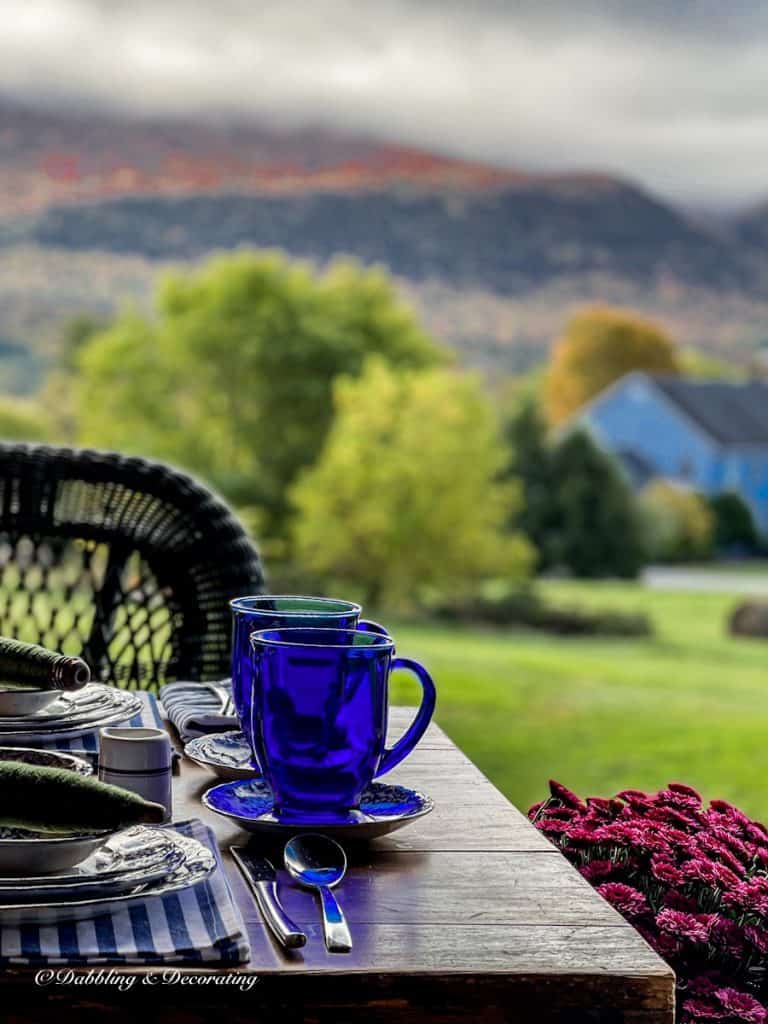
[599, 532]
[406, 495]
[75, 334]
[23, 420]
[734, 525]
[233, 375]
[530, 462]
[600, 345]
[678, 523]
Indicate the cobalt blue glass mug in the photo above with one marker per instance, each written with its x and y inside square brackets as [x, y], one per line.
[319, 706]
[272, 611]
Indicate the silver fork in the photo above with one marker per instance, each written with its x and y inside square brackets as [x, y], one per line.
[227, 707]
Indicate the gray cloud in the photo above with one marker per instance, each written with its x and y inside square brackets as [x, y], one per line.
[675, 94]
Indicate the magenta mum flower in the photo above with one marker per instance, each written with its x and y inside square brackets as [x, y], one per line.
[693, 927]
[758, 937]
[693, 882]
[666, 871]
[727, 935]
[701, 1009]
[706, 871]
[679, 800]
[596, 869]
[750, 896]
[681, 788]
[564, 794]
[555, 826]
[741, 1005]
[625, 898]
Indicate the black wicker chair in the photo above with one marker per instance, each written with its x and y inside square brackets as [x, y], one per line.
[128, 563]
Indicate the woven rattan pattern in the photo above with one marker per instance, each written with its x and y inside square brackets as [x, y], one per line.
[127, 563]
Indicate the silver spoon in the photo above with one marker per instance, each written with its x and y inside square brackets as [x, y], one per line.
[317, 862]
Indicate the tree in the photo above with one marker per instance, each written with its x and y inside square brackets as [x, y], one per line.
[599, 532]
[406, 494]
[678, 523]
[233, 376]
[530, 462]
[734, 527]
[75, 334]
[23, 420]
[600, 345]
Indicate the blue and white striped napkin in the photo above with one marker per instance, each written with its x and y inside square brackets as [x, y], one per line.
[199, 925]
[195, 708]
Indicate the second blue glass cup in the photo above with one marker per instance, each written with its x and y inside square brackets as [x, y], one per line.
[274, 611]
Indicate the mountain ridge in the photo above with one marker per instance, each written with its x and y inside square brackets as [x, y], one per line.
[92, 206]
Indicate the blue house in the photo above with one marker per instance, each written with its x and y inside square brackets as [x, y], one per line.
[708, 435]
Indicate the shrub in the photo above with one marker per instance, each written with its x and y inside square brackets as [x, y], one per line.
[693, 881]
[734, 527]
[524, 608]
[678, 523]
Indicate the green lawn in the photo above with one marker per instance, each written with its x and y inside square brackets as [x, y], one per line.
[600, 715]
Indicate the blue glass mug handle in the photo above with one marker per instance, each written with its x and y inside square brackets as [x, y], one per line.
[366, 626]
[418, 726]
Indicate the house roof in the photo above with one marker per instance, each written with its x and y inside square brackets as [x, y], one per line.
[730, 413]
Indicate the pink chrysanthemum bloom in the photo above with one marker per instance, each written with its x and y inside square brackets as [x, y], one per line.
[692, 927]
[701, 1009]
[750, 896]
[741, 1005]
[732, 842]
[596, 869]
[729, 814]
[706, 871]
[710, 846]
[625, 898]
[726, 934]
[554, 826]
[758, 937]
[679, 901]
[562, 793]
[666, 871]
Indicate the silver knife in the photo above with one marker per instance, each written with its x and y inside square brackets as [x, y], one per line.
[262, 881]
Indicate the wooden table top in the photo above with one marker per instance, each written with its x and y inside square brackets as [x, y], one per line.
[467, 914]
[471, 893]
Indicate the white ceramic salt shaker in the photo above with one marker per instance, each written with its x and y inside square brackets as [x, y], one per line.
[140, 760]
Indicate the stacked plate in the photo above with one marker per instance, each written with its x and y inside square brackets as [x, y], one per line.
[46, 878]
[70, 716]
[137, 863]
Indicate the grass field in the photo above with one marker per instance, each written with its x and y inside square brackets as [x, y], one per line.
[690, 704]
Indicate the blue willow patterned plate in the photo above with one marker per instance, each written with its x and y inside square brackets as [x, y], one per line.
[227, 754]
[383, 809]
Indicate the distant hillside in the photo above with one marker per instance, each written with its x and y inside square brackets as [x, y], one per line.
[752, 227]
[506, 240]
[92, 206]
[62, 157]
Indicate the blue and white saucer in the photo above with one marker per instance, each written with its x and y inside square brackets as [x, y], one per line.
[383, 809]
[226, 754]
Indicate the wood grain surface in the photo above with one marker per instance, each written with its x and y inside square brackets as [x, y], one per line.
[469, 914]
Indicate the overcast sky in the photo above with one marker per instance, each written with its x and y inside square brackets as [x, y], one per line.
[671, 92]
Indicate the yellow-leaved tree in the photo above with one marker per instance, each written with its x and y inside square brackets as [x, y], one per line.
[406, 493]
[599, 345]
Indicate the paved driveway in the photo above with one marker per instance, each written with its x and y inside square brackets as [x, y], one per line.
[712, 581]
